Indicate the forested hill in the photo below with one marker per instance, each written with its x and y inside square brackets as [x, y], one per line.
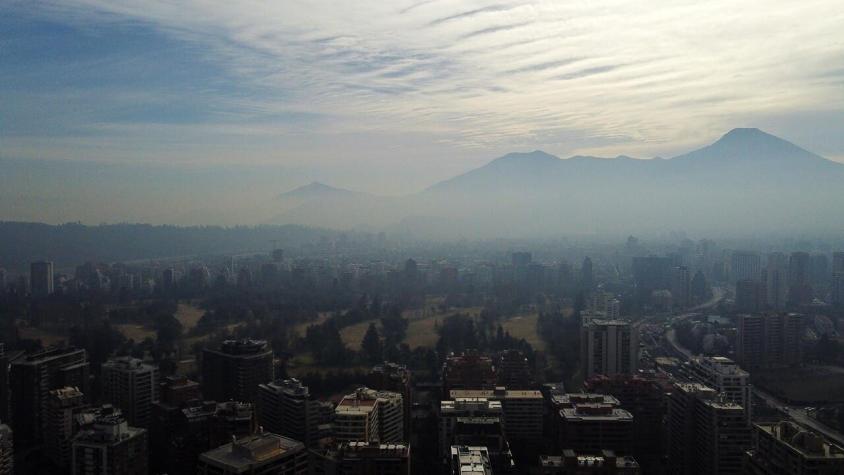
[72, 244]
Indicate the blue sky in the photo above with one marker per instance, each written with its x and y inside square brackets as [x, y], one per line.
[141, 104]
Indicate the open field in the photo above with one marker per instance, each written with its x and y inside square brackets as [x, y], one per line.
[812, 384]
[353, 334]
[301, 328]
[136, 332]
[524, 326]
[47, 338]
[188, 315]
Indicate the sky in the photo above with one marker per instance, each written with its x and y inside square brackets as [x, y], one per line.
[192, 111]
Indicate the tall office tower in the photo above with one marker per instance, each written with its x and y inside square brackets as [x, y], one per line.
[7, 451]
[707, 434]
[777, 281]
[361, 458]
[799, 285]
[397, 378]
[769, 341]
[62, 407]
[232, 418]
[819, 271]
[750, 296]
[745, 266]
[169, 435]
[587, 276]
[33, 377]
[699, 288]
[264, 453]
[41, 278]
[514, 371]
[471, 370]
[644, 396]
[523, 409]
[367, 415]
[592, 423]
[110, 445]
[234, 371]
[785, 448]
[609, 347]
[469, 460]
[285, 407]
[132, 386]
[452, 411]
[681, 290]
[724, 376]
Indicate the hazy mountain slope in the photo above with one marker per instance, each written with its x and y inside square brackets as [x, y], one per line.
[747, 180]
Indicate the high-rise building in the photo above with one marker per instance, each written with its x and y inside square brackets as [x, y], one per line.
[110, 445]
[235, 369]
[31, 380]
[132, 386]
[603, 463]
[470, 460]
[769, 341]
[785, 448]
[587, 277]
[681, 291]
[7, 451]
[652, 273]
[707, 434]
[232, 418]
[522, 410]
[361, 458]
[750, 296]
[62, 407]
[471, 370]
[776, 274]
[264, 453]
[514, 371]
[745, 266]
[367, 415]
[170, 436]
[396, 378]
[591, 423]
[285, 407]
[699, 288]
[724, 376]
[41, 278]
[609, 347]
[644, 396]
[799, 284]
[451, 411]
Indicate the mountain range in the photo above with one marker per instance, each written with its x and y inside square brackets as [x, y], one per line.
[747, 181]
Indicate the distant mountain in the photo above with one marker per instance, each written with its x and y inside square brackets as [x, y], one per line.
[317, 191]
[746, 181]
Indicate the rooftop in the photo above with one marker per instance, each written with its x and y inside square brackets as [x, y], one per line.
[252, 450]
[808, 443]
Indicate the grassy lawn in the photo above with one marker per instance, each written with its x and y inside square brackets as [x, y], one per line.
[301, 328]
[353, 334]
[135, 332]
[47, 338]
[188, 315]
[524, 326]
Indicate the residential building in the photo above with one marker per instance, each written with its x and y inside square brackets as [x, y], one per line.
[461, 408]
[362, 458]
[724, 376]
[264, 453]
[471, 370]
[609, 347]
[522, 410]
[234, 370]
[41, 278]
[285, 407]
[750, 296]
[514, 371]
[799, 284]
[109, 445]
[132, 386]
[231, 418]
[769, 340]
[776, 275]
[31, 380]
[745, 266]
[62, 407]
[590, 423]
[785, 448]
[466, 460]
[369, 416]
[603, 463]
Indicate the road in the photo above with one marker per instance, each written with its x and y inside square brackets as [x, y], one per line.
[797, 413]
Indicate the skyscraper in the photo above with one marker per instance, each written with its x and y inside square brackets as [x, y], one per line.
[769, 341]
[235, 369]
[41, 278]
[367, 415]
[132, 386]
[63, 405]
[609, 347]
[776, 275]
[587, 277]
[681, 291]
[799, 287]
[31, 380]
[745, 266]
[285, 407]
[724, 376]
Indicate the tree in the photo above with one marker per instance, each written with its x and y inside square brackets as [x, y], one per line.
[371, 345]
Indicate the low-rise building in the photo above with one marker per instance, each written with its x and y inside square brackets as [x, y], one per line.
[784, 448]
[263, 453]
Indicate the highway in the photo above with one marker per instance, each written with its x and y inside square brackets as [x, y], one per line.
[796, 413]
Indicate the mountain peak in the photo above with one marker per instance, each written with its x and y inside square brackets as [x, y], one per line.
[751, 145]
[537, 156]
[314, 189]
